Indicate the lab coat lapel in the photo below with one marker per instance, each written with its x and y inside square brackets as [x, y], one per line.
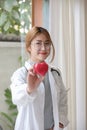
[54, 86]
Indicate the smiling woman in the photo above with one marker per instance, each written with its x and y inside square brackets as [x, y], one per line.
[40, 96]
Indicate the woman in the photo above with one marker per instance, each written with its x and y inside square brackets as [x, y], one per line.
[41, 100]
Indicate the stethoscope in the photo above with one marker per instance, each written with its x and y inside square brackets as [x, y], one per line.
[52, 69]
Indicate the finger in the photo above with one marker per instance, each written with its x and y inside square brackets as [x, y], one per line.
[31, 73]
[41, 78]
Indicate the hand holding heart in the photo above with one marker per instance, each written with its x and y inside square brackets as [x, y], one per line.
[36, 75]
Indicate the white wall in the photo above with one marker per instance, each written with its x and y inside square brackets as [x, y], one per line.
[9, 54]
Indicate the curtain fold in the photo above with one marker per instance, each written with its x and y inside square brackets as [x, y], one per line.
[67, 29]
[79, 27]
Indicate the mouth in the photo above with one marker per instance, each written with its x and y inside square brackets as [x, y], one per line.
[43, 53]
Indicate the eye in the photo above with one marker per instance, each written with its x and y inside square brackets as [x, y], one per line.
[38, 43]
[46, 43]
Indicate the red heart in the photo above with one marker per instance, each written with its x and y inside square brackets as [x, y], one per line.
[41, 68]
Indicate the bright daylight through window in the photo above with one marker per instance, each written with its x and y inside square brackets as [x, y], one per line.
[15, 18]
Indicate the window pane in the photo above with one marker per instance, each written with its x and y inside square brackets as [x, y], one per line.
[15, 17]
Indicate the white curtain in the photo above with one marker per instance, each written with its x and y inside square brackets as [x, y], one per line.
[67, 29]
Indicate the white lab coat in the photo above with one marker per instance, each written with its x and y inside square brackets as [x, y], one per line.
[31, 106]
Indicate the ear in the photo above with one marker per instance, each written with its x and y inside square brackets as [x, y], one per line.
[29, 49]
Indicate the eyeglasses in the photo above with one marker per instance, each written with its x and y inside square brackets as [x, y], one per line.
[39, 45]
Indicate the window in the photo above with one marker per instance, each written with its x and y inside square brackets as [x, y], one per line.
[15, 19]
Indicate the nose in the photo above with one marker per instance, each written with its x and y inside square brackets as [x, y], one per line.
[43, 47]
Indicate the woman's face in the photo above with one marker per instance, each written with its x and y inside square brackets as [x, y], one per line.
[39, 48]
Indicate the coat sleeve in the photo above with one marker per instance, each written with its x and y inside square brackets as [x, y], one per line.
[63, 106]
[62, 97]
[18, 88]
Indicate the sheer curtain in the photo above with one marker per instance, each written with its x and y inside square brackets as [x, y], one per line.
[67, 28]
